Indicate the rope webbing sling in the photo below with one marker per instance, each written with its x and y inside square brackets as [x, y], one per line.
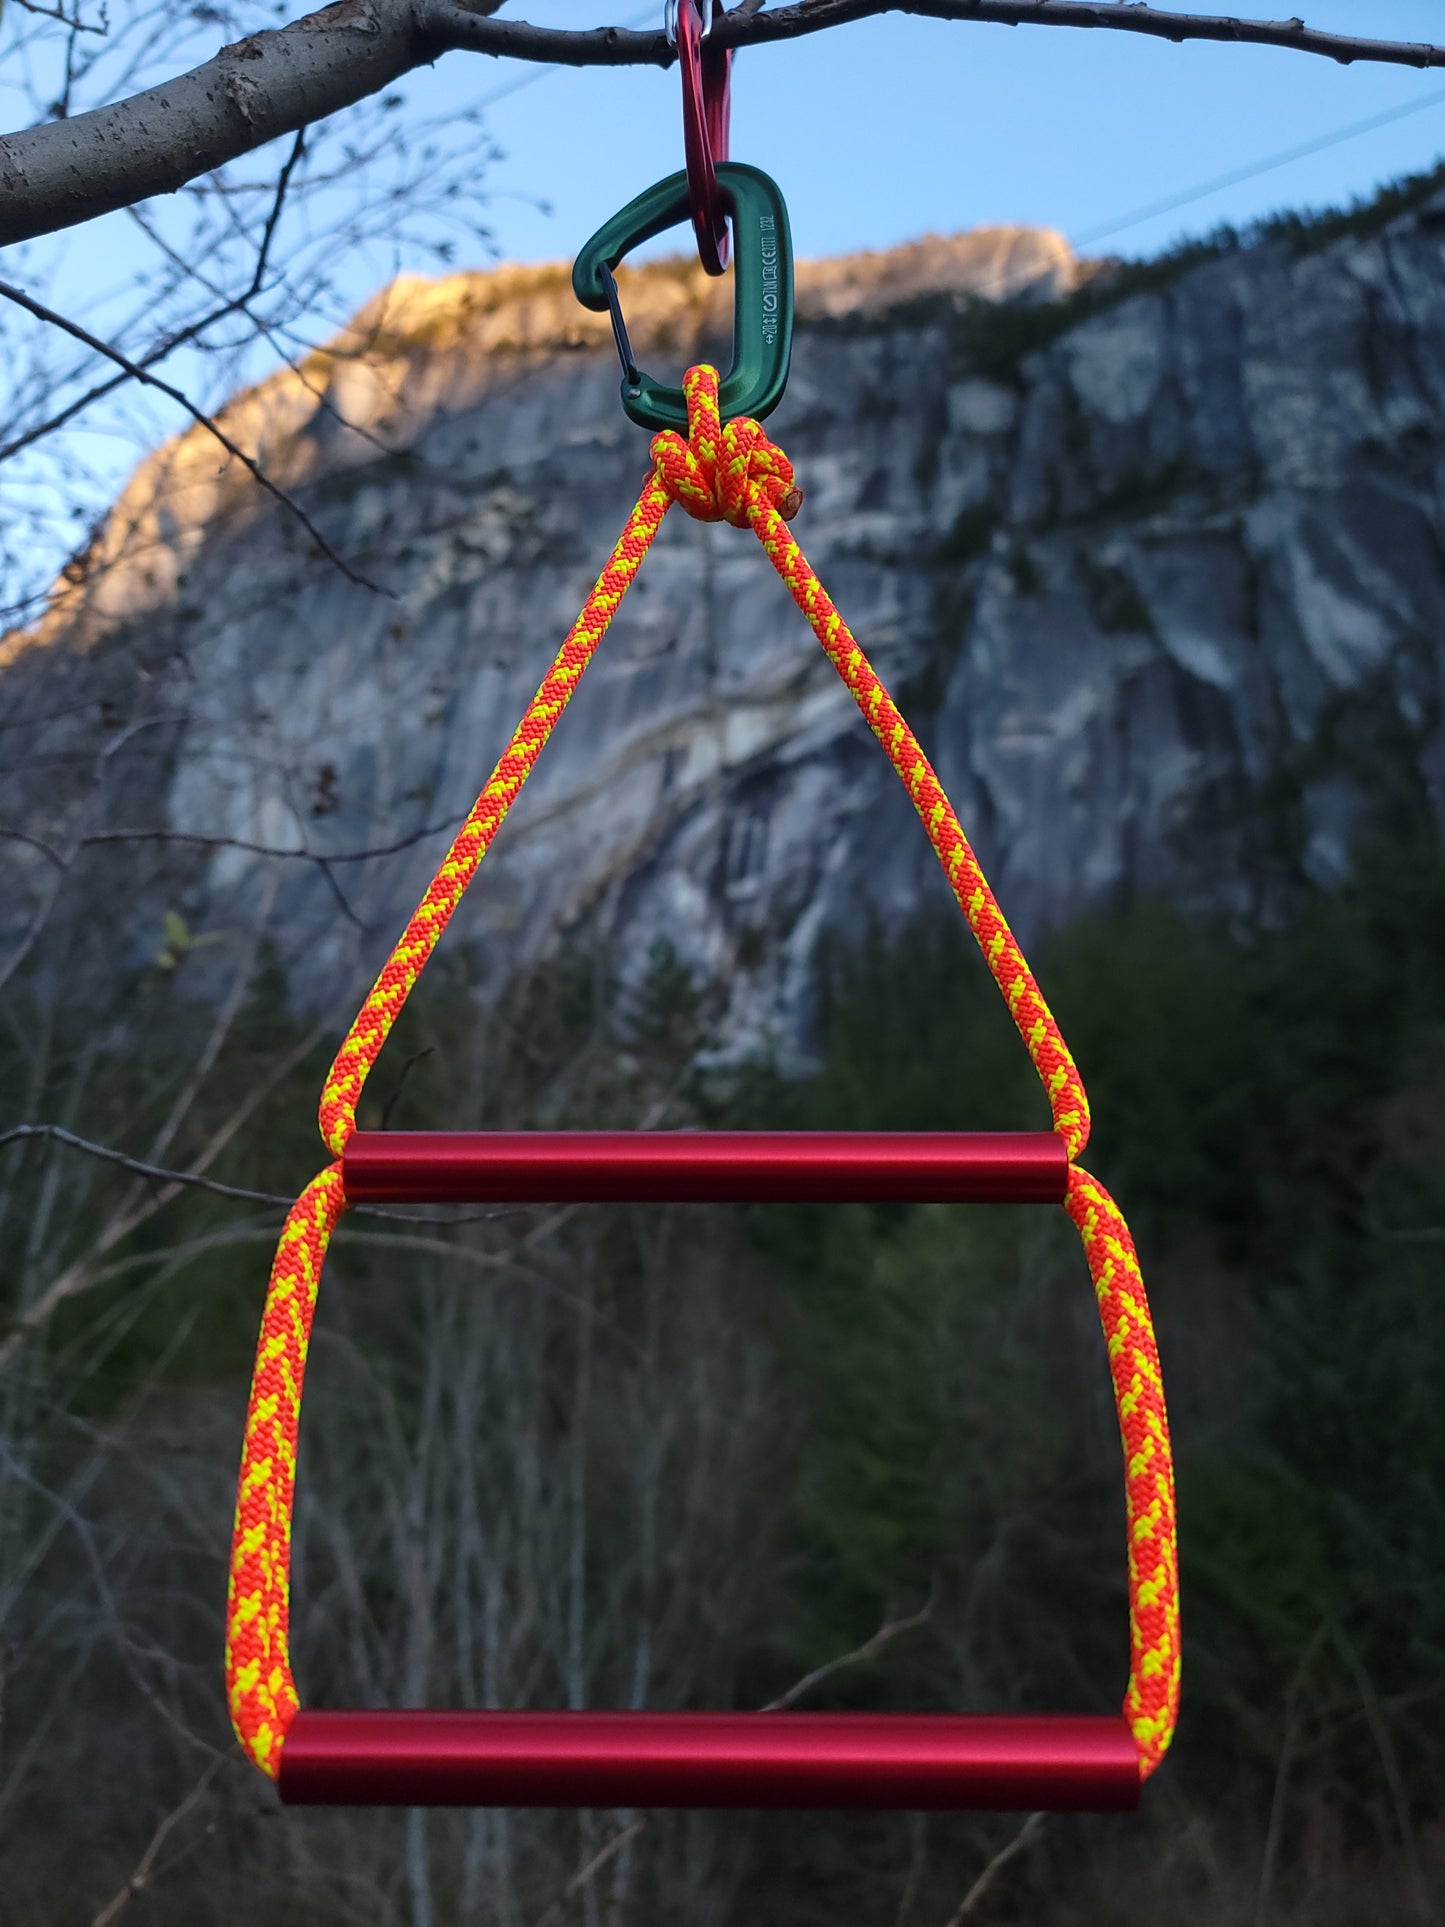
[732, 473]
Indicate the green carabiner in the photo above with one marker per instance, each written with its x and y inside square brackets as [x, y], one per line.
[762, 292]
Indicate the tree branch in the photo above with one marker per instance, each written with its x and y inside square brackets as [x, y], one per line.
[57, 1134]
[196, 840]
[1025, 1837]
[71, 20]
[323, 859]
[145, 1871]
[175, 1180]
[84, 1275]
[890, 1630]
[811, 16]
[584, 1877]
[211, 426]
[62, 172]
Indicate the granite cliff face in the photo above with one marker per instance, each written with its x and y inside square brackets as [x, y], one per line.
[1153, 560]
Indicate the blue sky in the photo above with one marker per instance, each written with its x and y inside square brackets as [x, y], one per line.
[878, 132]
[895, 127]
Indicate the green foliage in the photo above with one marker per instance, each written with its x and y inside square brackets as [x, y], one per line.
[179, 941]
[1306, 233]
[1268, 1114]
[993, 339]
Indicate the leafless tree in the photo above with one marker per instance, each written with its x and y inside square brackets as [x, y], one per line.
[271, 83]
[256, 178]
[531, 1475]
[244, 266]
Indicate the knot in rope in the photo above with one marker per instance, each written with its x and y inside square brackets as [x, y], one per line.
[723, 472]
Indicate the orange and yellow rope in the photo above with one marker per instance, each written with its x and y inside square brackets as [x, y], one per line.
[727, 473]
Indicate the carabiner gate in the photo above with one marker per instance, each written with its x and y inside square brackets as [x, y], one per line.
[706, 113]
[762, 292]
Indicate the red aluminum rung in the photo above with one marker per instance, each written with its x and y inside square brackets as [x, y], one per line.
[915, 1761]
[656, 1167]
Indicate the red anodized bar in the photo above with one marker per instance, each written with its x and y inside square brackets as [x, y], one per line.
[914, 1761]
[758, 1167]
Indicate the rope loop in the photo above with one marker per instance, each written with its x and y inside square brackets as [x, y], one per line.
[260, 1690]
[723, 472]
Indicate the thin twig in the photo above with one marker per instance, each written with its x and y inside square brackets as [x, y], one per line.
[194, 1181]
[273, 218]
[584, 1876]
[138, 1167]
[159, 140]
[71, 20]
[455, 24]
[1025, 1837]
[47, 850]
[141, 1878]
[1282, 1771]
[50, 896]
[134, 1212]
[138, 373]
[407, 842]
[321, 858]
[890, 1630]
[199, 841]
[917, 1865]
[163, 349]
[417, 1057]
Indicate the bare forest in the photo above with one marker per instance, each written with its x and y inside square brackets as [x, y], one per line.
[673, 1457]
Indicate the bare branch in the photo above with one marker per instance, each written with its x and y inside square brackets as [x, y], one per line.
[918, 1862]
[35, 928]
[211, 426]
[53, 175]
[273, 217]
[138, 1167]
[144, 1872]
[71, 20]
[890, 1630]
[323, 859]
[1025, 1837]
[77, 1277]
[812, 16]
[194, 1181]
[584, 1876]
[196, 840]
[600, 1861]
[61, 172]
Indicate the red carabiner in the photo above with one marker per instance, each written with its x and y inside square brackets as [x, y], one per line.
[706, 110]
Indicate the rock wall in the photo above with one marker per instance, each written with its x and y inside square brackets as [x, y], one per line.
[1152, 559]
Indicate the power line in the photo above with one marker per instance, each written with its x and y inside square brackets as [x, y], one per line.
[1256, 168]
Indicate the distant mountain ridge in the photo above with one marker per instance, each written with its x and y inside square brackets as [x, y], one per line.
[380, 373]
